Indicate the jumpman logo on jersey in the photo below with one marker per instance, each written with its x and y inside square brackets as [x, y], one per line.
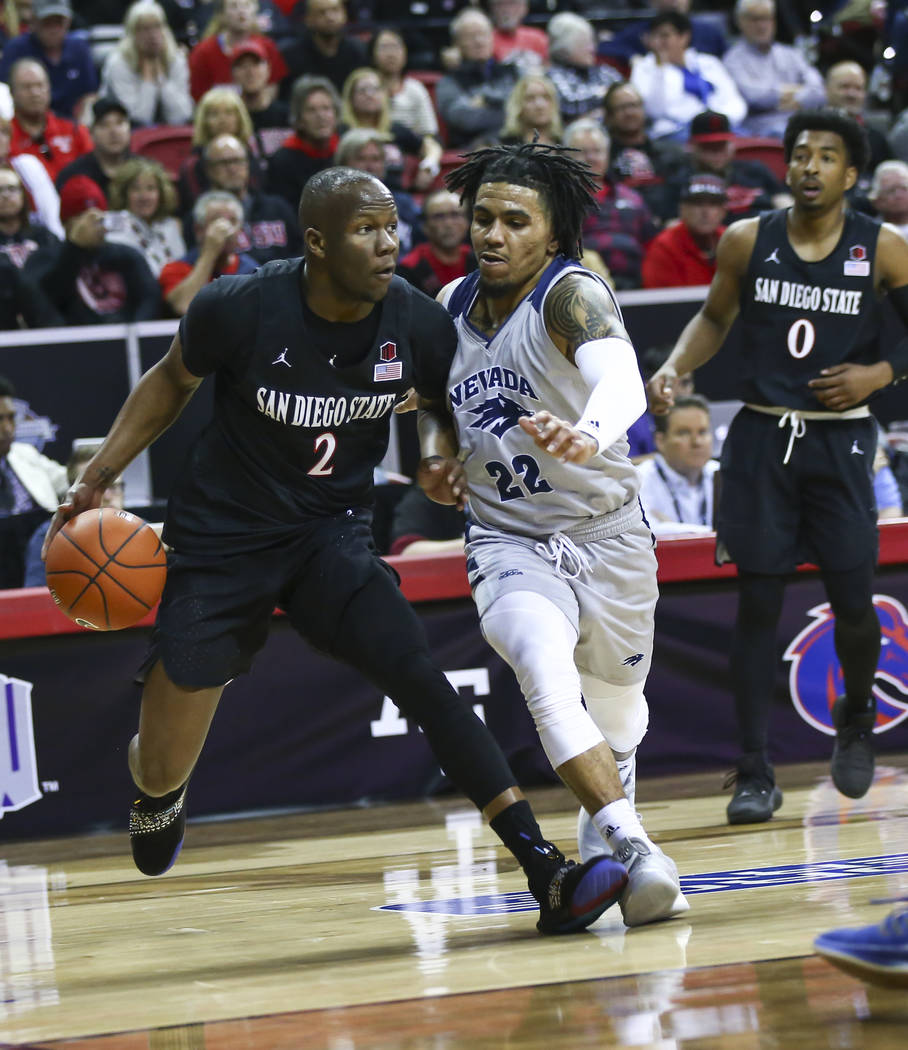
[281, 359]
[773, 257]
[856, 450]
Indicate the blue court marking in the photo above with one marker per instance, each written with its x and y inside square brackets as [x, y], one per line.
[713, 882]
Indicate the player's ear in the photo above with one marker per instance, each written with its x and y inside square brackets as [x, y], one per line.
[315, 242]
[851, 176]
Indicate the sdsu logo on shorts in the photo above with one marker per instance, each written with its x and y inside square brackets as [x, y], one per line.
[815, 677]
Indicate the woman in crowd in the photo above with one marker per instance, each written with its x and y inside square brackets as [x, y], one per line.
[142, 202]
[19, 236]
[532, 108]
[233, 22]
[44, 201]
[411, 104]
[581, 83]
[365, 104]
[146, 71]
[220, 112]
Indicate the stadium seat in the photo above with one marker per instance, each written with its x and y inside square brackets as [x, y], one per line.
[167, 144]
[769, 151]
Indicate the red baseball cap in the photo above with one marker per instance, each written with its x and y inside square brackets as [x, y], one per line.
[252, 45]
[79, 194]
[710, 126]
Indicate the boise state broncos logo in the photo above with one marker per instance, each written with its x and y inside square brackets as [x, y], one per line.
[497, 415]
[815, 677]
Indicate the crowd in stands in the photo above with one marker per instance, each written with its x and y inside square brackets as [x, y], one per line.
[146, 148]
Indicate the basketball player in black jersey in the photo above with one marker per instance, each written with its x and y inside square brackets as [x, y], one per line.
[796, 469]
[272, 509]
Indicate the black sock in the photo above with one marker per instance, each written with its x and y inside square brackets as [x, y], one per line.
[517, 828]
[857, 633]
[754, 659]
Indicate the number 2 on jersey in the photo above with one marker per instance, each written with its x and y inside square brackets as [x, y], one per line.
[801, 337]
[510, 486]
[326, 444]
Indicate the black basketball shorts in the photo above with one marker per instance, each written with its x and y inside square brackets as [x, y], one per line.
[819, 507]
[216, 611]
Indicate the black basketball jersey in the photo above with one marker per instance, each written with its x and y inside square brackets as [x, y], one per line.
[799, 317]
[296, 433]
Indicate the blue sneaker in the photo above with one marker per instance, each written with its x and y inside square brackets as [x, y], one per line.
[578, 894]
[877, 954]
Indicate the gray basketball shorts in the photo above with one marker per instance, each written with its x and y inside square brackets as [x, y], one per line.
[611, 602]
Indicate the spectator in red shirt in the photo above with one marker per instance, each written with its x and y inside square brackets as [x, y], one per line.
[36, 129]
[685, 253]
[622, 226]
[514, 41]
[209, 60]
[218, 220]
[445, 255]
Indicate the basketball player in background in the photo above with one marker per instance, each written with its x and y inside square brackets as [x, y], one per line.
[543, 387]
[797, 480]
[272, 509]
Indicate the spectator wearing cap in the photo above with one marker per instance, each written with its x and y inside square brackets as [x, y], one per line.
[685, 252]
[775, 79]
[677, 82]
[65, 55]
[324, 48]
[110, 137]
[147, 71]
[270, 116]
[35, 128]
[639, 161]
[269, 229]
[751, 188]
[622, 225]
[209, 60]
[314, 116]
[218, 218]
[445, 254]
[87, 278]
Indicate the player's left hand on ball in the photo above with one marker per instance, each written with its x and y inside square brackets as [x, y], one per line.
[443, 480]
[558, 438]
[80, 496]
[842, 386]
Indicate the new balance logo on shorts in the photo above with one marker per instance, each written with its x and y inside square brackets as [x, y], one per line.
[510, 572]
[632, 661]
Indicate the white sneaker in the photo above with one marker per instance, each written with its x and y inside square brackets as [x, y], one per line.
[653, 889]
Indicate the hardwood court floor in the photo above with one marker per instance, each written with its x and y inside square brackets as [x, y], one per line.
[408, 928]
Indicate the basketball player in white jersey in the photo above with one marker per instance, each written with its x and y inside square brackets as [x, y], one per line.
[542, 388]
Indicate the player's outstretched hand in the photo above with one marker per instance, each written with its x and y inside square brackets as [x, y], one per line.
[80, 496]
[843, 386]
[408, 403]
[558, 438]
[660, 391]
[443, 481]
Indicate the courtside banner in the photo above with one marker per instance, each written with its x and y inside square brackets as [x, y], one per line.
[302, 731]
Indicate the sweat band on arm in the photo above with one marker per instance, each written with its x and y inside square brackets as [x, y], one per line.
[617, 398]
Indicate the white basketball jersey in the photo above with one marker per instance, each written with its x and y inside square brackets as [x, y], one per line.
[513, 484]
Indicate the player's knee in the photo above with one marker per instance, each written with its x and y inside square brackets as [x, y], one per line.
[620, 713]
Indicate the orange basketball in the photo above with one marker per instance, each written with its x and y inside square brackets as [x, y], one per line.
[105, 569]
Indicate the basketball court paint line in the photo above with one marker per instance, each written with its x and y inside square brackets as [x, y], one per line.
[709, 882]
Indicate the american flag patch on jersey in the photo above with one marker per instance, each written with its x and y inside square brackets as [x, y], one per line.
[387, 370]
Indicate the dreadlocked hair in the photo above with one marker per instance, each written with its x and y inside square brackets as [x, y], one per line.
[566, 185]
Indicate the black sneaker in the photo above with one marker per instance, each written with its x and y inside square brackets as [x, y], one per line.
[156, 829]
[853, 760]
[756, 796]
[579, 893]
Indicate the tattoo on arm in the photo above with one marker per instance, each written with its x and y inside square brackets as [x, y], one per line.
[578, 310]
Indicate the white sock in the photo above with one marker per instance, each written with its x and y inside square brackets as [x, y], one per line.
[617, 821]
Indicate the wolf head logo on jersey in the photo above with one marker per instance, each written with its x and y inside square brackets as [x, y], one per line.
[498, 415]
[815, 677]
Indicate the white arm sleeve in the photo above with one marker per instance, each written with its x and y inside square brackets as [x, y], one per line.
[617, 397]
